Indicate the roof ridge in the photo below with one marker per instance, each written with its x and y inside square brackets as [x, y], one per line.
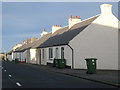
[90, 17]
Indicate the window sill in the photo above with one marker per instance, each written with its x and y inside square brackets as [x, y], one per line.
[51, 58]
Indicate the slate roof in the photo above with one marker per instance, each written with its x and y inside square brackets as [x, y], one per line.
[41, 40]
[44, 38]
[24, 47]
[18, 49]
[66, 37]
[38, 42]
[60, 37]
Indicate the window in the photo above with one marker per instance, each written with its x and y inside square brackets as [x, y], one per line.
[56, 53]
[39, 57]
[50, 53]
[62, 52]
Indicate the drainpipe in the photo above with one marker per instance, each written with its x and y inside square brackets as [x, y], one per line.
[72, 55]
[19, 56]
[39, 54]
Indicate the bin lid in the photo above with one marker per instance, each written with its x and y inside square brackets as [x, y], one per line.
[90, 58]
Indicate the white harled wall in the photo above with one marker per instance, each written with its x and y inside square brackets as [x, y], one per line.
[38, 56]
[26, 56]
[9, 56]
[119, 49]
[33, 57]
[67, 55]
[14, 55]
[99, 40]
[44, 57]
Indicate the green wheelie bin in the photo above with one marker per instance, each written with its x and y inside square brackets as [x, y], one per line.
[60, 63]
[54, 62]
[16, 60]
[91, 65]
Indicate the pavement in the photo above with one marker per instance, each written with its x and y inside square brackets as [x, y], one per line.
[109, 77]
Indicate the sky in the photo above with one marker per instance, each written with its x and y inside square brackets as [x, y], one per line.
[22, 20]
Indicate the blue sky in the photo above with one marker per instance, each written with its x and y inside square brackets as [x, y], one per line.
[21, 20]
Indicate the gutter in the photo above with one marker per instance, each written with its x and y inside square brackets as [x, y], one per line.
[72, 55]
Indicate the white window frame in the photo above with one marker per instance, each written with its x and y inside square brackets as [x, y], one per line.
[62, 53]
[50, 53]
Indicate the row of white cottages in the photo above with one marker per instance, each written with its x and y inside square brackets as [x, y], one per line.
[97, 36]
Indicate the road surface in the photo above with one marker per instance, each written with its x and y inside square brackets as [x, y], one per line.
[27, 76]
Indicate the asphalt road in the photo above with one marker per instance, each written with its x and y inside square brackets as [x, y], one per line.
[27, 76]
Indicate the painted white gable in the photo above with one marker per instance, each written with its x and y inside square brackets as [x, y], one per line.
[107, 18]
[99, 40]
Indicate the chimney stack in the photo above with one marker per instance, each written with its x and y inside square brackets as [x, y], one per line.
[55, 28]
[44, 32]
[74, 20]
[106, 9]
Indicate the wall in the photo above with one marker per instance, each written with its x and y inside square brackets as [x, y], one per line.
[14, 55]
[67, 54]
[33, 56]
[99, 40]
[44, 56]
[24, 54]
[28, 56]
[38, 56]
[18, 55]
[119, 49]
[9, 56]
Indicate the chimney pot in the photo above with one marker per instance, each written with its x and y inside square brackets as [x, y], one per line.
[71, 16]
